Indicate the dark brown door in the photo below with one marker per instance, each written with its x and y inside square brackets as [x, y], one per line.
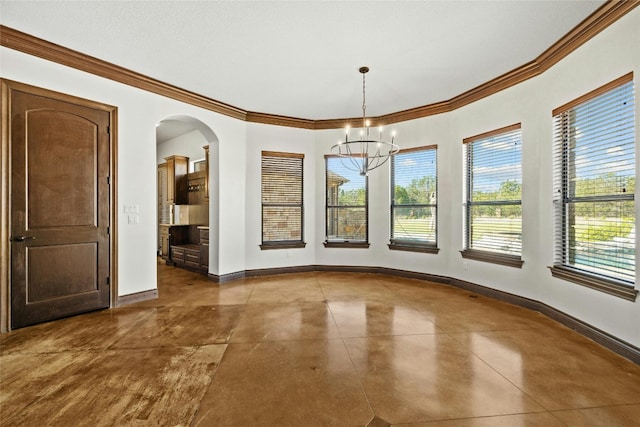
[59, 208]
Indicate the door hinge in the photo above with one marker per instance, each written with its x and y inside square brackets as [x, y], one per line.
[108, 180]
[108, 230]
[108, 130]
[108, 280]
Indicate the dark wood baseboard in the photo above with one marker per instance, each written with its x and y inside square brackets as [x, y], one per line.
[608, 341]
[603, 338]
[229, 277]
[137, 297]
[279, 270]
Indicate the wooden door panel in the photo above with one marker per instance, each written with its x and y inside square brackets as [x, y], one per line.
[59, 208]
[61, 271]
[70, 155]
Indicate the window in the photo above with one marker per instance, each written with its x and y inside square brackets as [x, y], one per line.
[282, 200]
[347, 206]
[493, 221]
[594, 138]
[413, 200]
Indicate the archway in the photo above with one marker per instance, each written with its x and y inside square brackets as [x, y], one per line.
[189, 203]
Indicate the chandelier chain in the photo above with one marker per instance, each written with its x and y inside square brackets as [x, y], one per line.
[364, 105]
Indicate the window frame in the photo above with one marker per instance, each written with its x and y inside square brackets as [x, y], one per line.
[561, 268]
[281, 244]
[424, 246]
[335, 243]
[469, 252]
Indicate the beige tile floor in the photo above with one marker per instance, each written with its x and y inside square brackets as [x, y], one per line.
[312, 349]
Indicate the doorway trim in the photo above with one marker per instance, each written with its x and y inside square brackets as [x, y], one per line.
[6, 87]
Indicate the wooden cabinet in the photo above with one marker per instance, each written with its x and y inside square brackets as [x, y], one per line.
[186, 255]
[196, 188]
[164, 241]
[206, 170]
[177, 254]
[170, 237]
[188, 246]
[177, 172]
[192, 255]
[204, 247]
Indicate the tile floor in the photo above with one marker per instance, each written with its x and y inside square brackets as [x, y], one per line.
[312, 349]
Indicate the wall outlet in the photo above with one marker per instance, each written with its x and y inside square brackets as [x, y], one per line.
[465, 265]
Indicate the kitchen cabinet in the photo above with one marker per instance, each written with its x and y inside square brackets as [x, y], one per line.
[177, 176]
[188, 246]
[206, 174]
[204, 248]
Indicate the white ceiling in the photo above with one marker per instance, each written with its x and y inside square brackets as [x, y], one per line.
[301, 58]
[170, 129]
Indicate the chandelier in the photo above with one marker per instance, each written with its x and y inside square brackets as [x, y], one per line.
[366, 153]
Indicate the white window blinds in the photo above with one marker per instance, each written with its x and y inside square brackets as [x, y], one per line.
[346, 202]
[494, 192]
[282, 198]
[594, 183]
[414, 197]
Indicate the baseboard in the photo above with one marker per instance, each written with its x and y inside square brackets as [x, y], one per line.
[279, 270]
[225, 278]
[618, 346]
[496, 294]
[137, 297]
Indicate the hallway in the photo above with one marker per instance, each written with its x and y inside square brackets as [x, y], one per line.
[312, 349]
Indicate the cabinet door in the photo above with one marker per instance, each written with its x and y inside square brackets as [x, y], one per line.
[192, 257]
[171, 181]
[206, 173]
[177, 170]
[177, 254]
[165, 246]
[204, 256]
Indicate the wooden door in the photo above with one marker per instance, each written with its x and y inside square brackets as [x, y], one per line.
[59, 214]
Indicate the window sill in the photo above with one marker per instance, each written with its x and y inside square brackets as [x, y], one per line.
[495, 258]
[283, 245]
[357, 245]
[413, 248]
[608, 286]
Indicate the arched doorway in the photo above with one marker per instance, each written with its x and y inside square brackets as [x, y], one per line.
[187, 159]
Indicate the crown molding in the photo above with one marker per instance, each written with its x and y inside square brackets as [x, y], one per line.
[273, 119]
[22, 42]
[606, 15]
[603, 17]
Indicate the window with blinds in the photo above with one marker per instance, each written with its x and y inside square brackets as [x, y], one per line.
[414, 199]
[347, 202]
[493, 220]
[282, 200]
[594, 138]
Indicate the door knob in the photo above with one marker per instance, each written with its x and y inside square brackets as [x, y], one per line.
[22, 238]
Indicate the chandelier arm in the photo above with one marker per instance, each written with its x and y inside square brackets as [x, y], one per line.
[354, 164]
[352, 159]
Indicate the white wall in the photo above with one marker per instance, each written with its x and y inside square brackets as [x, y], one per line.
[189, 145]
[274, 138]
[609, 55]
[138, 112]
